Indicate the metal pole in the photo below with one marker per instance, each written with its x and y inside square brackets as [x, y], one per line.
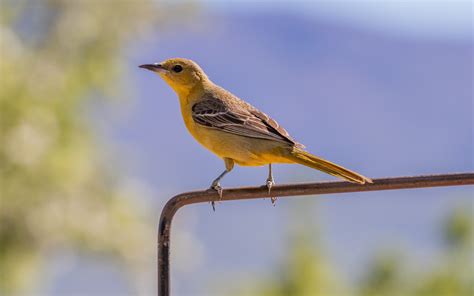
[289, 190]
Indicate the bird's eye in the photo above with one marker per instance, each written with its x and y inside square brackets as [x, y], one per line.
[177, 68]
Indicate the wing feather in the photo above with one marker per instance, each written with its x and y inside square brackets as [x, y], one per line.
[240, 119]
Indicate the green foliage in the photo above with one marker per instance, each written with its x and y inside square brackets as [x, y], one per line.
[383, 277]
[305, 272]
[454, 276]
[56, 192]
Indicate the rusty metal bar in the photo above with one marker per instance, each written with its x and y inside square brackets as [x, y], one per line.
[289, 190]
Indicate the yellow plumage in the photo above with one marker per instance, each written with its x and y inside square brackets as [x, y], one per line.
[233, 129]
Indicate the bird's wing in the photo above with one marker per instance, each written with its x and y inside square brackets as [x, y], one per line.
[274, 126]
[239, 118]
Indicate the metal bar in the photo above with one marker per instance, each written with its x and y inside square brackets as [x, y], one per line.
[289, 190]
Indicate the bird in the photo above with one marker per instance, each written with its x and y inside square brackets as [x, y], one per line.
[234, 130]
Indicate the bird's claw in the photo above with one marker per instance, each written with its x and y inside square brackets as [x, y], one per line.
[270, 184]
[213, 204]
[217, 187]
[273, 199]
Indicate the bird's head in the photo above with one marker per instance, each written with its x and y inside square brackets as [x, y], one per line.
[181, 74]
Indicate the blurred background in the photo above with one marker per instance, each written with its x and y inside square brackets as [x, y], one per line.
[92, 146]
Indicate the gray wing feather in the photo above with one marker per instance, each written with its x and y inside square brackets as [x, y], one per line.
[247, 122]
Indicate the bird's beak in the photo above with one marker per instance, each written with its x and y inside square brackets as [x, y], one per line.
[154, 67]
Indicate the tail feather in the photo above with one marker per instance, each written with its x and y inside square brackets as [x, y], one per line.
[312, 161]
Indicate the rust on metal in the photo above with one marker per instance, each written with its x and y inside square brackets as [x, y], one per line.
[288, 190]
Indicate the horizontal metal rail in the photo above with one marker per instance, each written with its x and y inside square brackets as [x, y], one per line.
[288, 190]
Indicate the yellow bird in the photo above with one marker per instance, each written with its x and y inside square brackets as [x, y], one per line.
[233, 129]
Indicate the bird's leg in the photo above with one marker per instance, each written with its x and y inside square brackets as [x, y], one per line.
[229, 165]
[270, 182]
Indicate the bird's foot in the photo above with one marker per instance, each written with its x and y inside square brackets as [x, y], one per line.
[270, 183]
[217, 187]
[273, 199]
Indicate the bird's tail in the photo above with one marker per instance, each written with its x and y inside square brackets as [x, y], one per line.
[307, 159]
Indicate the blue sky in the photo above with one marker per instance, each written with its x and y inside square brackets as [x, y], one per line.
[420, 18]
